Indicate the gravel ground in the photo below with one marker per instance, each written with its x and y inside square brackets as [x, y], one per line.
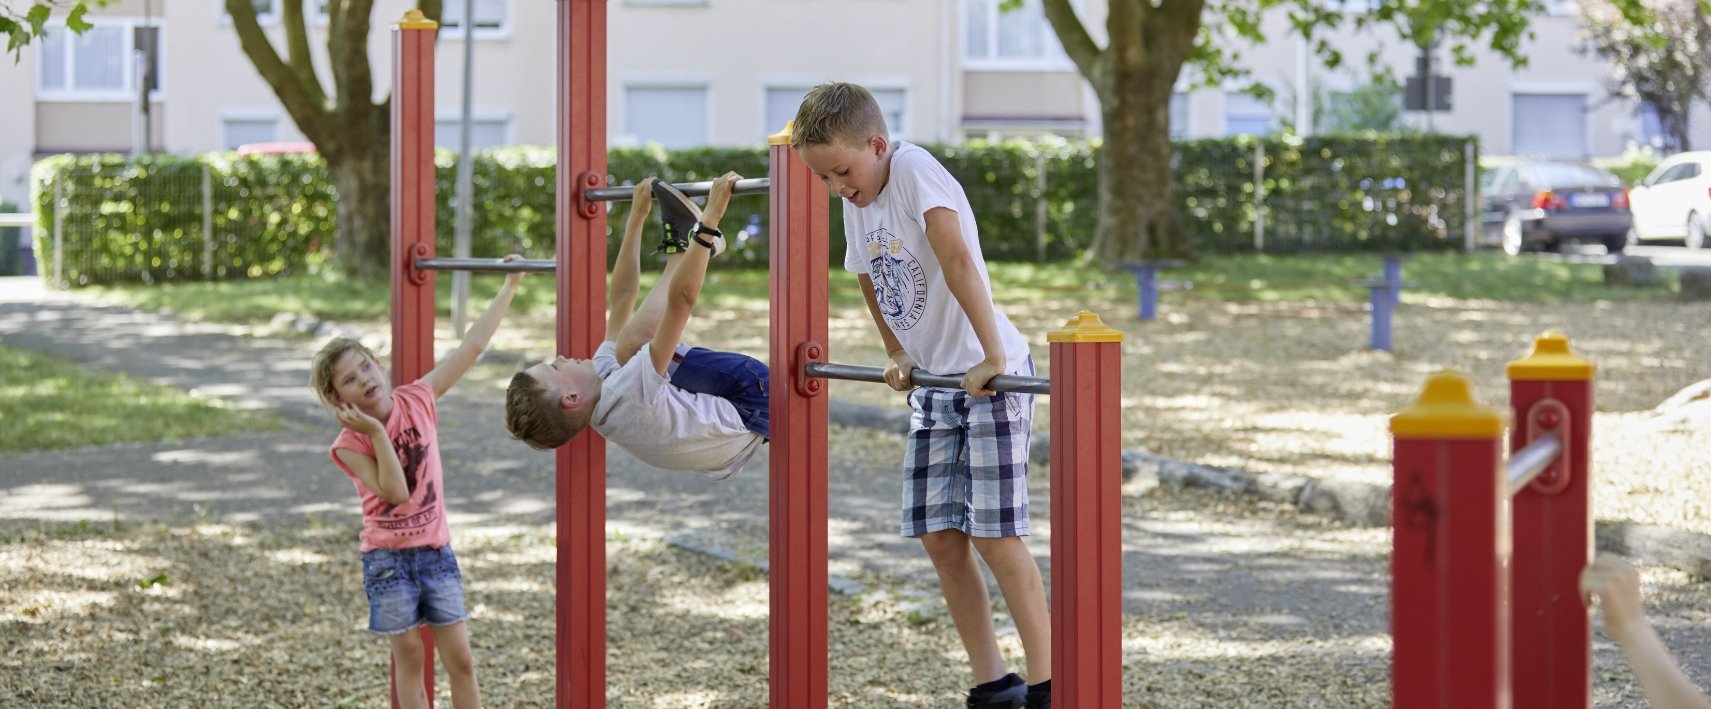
[214, 616]
[1290, 388]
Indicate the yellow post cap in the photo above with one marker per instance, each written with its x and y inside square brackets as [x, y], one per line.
[782, 137]
[1085, 327]
[415, 20]
[1550, 360]
[1446, 409]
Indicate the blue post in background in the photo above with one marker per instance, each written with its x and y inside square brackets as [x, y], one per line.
[1386, 294]
[1393, 273]
[1147, 283]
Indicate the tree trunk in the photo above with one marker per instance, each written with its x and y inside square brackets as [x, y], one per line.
[361, 181]
[1137, 197]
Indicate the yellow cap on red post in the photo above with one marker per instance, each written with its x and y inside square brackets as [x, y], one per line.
[782, 137]
[1085, 327]
[415, 20]
[1550, 360]
[1446, 409]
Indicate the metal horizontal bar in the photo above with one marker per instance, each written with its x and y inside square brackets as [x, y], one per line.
[923, 378]
[487, 265]
[753, 185]
[1527, 463]
[16, 219]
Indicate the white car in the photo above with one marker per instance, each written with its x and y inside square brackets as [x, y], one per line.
[1674, 202]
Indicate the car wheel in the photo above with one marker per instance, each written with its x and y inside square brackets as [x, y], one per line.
[1616, 244]
[1512, 236]
[1695, 232]
[1633, 237]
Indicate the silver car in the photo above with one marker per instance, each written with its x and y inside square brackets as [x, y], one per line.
[1540, 205]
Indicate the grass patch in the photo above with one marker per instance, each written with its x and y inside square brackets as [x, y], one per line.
[48, 404]
[1319, 277]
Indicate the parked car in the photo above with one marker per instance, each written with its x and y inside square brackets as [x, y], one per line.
[1674, 202]
[1539, 205]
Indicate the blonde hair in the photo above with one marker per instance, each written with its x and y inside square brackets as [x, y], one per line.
[321, 368]
[534, 417]
[834, 113]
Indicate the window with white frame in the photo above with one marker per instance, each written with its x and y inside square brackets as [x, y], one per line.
[99, 64]
[1178, 115]
[673, 115]
[239, 129]
[1549, 125]
[492, 17]
[782, 102]
[484, 131]
[1246, 114]
[1020, 38]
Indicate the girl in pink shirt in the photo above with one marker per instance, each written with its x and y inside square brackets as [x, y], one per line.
[390, 450]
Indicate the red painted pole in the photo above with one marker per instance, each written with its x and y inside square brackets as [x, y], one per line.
[797, 551]
[581, 474]
[1448, 593]
[413, 222]
[1086, 508]
[1551, 392]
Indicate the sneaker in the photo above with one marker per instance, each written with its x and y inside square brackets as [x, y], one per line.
[1004, 693]
[1039, 698]
[678, 215]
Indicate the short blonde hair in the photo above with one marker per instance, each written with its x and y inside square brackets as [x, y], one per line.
[534, 417]
[321, 368]
[838, 112]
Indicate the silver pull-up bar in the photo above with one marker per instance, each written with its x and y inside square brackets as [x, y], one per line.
[753, 185]
[921, 377]
[1527, 463]
[487, 265]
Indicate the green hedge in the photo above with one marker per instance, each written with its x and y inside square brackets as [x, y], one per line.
[141, 218]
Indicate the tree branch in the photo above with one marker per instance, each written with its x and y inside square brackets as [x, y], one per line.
[1077, 43]
[297, 50]
[307, 109]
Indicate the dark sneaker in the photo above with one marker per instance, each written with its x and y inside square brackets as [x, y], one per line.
[1007, 692]
[1039, 697]
[678, 215]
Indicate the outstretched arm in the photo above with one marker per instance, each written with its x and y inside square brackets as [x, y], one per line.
[897, 372]
[626, 280]
[685, 283]
[1617, 586]
[962, 276]
[447, 372]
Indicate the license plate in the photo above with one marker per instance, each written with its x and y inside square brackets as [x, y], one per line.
[1589, 199]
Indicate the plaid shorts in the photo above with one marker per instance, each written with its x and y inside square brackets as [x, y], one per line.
[966, 464]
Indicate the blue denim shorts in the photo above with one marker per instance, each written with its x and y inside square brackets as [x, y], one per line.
[409, 587]
[737, 378]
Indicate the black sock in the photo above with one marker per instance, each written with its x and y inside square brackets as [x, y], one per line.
[1043, 687]
[996, 685]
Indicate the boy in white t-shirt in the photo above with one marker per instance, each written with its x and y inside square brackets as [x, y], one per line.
[671, 406]
[912, 239]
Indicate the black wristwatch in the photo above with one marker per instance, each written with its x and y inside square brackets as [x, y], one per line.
[704, 229]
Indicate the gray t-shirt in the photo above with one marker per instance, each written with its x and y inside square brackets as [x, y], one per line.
[664, 426]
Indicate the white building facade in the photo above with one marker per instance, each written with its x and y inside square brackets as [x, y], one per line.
[729, 72]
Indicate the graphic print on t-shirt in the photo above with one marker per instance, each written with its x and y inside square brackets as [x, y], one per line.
[412, 451]
[899, 284]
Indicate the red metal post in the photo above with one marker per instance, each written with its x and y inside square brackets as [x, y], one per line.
[1551, 390]
[413, 220]
[581, 486]
[797, 515]
[1086, 509]
[1448, 592]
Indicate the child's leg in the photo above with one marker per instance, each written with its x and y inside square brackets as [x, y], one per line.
[646, 319]
[407, 662]
[1025, 593]
[452, 641]
[734, 377]
[966, 598]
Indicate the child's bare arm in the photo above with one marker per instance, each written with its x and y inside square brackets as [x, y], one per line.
[901, 365]
[446, 373]
[382, 474]
[625, 286]
[962, 275]
[1617, 586]
[686, 283]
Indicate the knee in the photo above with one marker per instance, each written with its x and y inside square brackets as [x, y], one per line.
[459, 662]
[946, 545]
[407, 651]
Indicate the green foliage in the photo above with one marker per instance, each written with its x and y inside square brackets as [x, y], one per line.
[48, 403]
[1633, 165]
[1656, 52]
[142, 218]
[21, 29]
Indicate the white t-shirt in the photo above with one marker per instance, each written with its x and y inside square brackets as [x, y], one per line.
[888, 242]
[664, 426]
